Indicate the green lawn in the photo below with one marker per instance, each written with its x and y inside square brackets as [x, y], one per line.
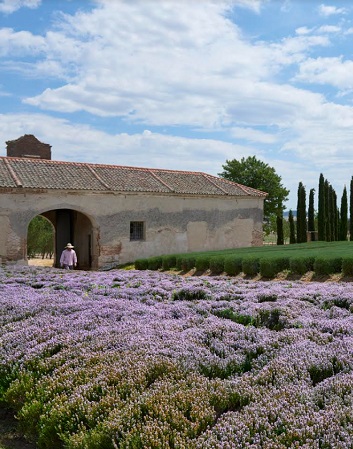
[321, 257]
[313, 248]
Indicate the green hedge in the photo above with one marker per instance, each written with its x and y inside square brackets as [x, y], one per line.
[202, 263]
[301, 265]
[251, 265]
[154, 263]
[178, 260]
[141, 264]
[187, 262]
[271, 266]
[347, 266]
[327, 265]
[217, 264]
[233, 265]
[168, 262]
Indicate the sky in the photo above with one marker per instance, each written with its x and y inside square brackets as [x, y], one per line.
[183, 84]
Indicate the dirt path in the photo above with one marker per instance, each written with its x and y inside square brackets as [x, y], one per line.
[41, 262]
[10, 437]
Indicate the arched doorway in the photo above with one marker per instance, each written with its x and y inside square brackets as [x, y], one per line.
[74, 227]
[40, 242]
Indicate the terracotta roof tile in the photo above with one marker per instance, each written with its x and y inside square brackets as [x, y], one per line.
[6, 178]
[44, 174]
[49, 174]
[129, 179]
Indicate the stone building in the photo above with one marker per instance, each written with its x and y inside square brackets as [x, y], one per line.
[115, 214]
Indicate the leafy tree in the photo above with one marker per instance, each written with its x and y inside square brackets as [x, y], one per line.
[292, 238]
[344, 216]
[254, 173]
[40, 237]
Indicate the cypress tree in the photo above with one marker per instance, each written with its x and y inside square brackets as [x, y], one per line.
[344, 216]
[336, 216]
[332, 213]
[351, 211]
[292, 238]
[321, 209]
[311, 215]
[327, 215]
[279, 223]
[301, 214]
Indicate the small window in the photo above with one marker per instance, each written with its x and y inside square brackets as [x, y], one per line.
[137, 230]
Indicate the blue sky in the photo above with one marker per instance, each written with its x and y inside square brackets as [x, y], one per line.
[183, 84]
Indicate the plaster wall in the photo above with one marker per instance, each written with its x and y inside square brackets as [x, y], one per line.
[173, 223]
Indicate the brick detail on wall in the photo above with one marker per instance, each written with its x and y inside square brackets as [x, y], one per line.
[28, 146]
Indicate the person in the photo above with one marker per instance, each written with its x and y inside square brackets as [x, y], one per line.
[68, 259]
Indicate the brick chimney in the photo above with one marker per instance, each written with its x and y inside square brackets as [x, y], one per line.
[28, 146]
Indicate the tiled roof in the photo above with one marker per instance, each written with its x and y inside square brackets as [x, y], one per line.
[49, 174]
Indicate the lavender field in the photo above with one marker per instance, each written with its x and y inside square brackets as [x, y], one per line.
[138, 359]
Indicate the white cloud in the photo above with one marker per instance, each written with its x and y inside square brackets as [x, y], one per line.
[184, 63]
[10, 6]
[254, 5]
[331, 71]
[253, 135]
[160, 66]
[329, 29]
[75, 142]
[22, 42]
[303, 30]
[151, 63]
[327, 11]
[324, 29]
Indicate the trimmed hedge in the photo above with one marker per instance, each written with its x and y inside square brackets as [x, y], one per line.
[347, 266]
[178, 260]
[168, 262]
[251, 265]
[301, 265]
[217, 264]
[271, 266]
[232, 265]
[141, 264]
[187, 262]
[327, 265]
[154, 263]
[202, 263]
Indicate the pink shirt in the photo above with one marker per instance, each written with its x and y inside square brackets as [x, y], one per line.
[68, 257]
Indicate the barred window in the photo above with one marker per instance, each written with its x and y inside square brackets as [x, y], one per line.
[137, 230]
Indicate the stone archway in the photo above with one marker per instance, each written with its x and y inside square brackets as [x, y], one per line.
[40, 241]
[74, 227]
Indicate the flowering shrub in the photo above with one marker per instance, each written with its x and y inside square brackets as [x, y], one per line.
[141, 359]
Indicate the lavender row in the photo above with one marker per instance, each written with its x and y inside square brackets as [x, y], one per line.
[128, 359]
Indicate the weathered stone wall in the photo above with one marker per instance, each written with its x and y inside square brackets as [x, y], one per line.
[173, 224]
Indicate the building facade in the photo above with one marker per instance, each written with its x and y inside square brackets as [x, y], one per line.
[116, 214]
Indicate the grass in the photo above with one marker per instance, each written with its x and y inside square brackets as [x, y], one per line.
[304, 251]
